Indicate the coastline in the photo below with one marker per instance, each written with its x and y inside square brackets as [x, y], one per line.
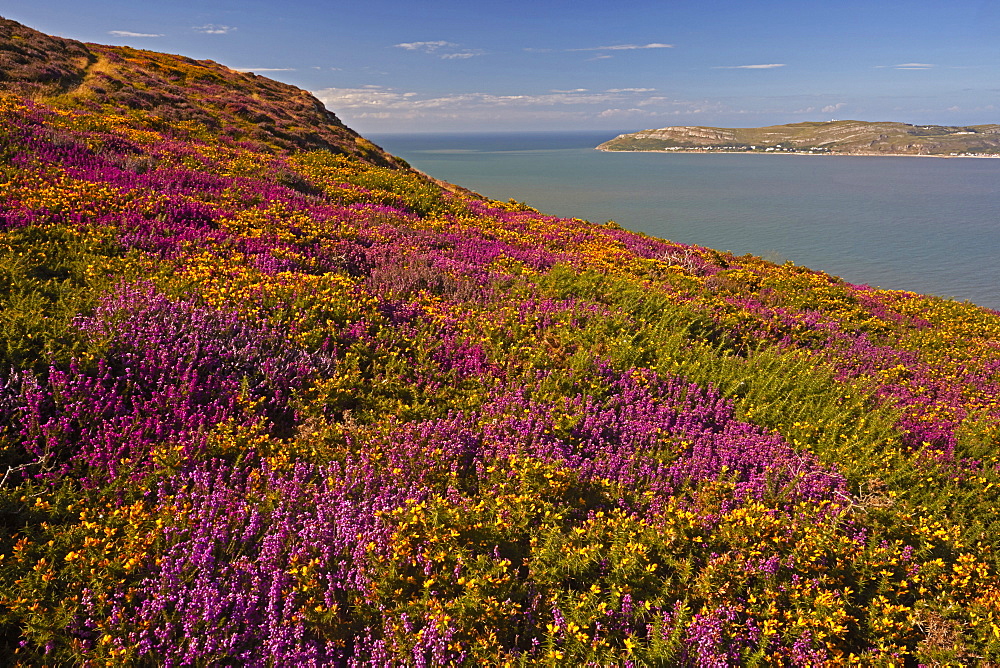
[794, 153]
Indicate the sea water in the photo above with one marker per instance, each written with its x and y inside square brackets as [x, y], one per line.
[928, 225]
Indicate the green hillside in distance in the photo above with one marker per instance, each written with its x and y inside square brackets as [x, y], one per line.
[820, 137]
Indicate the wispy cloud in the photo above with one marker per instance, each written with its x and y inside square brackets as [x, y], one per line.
[213, 29]
[625, 47]
[830, 108]
[768, 66]
[441, 49]
[375, 97]
[129, 33]
[624, 113]
[374, 103]
[426, 47]
[906, 66]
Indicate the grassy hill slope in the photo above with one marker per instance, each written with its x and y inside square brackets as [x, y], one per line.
[838, 137]
[268, 399]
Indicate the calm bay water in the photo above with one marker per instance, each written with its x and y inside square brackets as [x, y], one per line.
[921, 224]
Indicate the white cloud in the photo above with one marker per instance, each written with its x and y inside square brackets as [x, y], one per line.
[630, 90]
[768, 66]
[625, 47]
[386, 109]
[441, 49]
[393, 108]
[906, 66]
[213, 29]
[618, 113]
[129, 33]
[377, 96]
[427, 47]
[603, 56]
[652, 101]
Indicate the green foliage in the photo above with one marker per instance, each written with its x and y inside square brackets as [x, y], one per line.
[787, 391]
[417, 194]
[49, 276]
[64, 551]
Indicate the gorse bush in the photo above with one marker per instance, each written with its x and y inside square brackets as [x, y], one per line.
[269, 406]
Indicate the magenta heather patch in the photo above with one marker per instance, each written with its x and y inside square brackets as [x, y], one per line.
[665, 435]
[173, 371]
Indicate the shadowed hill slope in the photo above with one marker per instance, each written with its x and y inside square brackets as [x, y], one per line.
[240, 106]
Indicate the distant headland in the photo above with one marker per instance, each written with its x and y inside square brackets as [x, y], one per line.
[819, 138]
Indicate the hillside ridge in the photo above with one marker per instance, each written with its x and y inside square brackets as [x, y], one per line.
[240, 105]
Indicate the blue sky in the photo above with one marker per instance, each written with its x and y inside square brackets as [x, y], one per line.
[455, 65]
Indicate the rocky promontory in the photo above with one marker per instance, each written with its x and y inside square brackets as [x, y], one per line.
[829, 137]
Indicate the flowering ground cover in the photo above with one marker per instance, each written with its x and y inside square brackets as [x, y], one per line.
[275, 399]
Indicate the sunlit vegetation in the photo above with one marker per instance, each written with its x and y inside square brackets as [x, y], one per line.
[262, 405]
